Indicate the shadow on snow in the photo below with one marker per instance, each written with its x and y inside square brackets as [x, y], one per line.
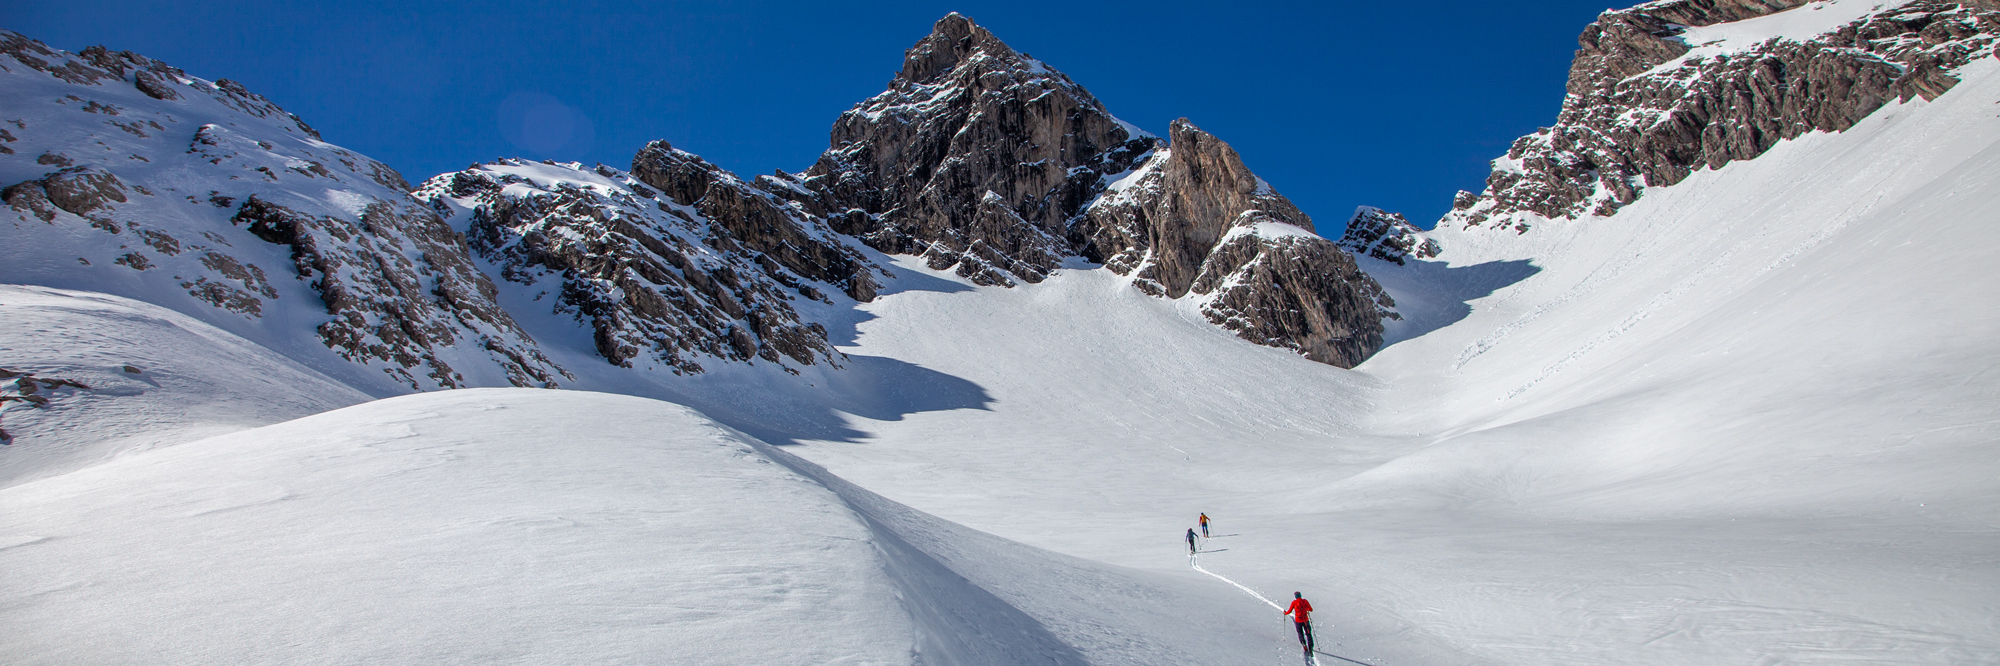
[1431, 295]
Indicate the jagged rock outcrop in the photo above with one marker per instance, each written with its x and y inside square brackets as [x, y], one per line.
[1387, 236]
[1194, 220]
[989, 163]
[1295, 291]
[698, 265]
[234, 210]
[977, 156]
[398, 283]
[760, 218]
[1653, 99]
[982, 160]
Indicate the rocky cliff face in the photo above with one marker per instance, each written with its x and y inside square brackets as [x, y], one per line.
[129, 176]
[1387, 236]
[773, 218]
[675, 262]
[987, 162]
[1654, 97]
[981, 159]
[1192, 219]
[977, 157]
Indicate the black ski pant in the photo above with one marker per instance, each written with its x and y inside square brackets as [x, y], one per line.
[1305, 633]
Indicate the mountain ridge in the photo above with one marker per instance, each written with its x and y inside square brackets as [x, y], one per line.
[1748, 413]
[1665, 88]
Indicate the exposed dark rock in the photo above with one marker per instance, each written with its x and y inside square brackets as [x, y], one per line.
[1194, 219]
[1387, 236]
[704, 266]
[402, 293]
[83, 189]
[756, 219]
[30, 197]
[1162, 226]
[1637, 118]
[987, 162]
[37, 55]
[155, 86]
[401, 287]
[1297, 292]
[37, 391]
[975, 148]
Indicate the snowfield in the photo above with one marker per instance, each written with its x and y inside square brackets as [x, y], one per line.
[464, 526]
[193, 380]
[1752, 418]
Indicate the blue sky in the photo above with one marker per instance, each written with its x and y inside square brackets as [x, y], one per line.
[1337, 104]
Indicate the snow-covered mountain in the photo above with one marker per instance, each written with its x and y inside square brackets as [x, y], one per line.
[126, 176]
[706, 266]
[1743, 412]
[1668, 87]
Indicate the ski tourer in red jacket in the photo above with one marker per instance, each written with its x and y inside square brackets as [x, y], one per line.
[1299, 610]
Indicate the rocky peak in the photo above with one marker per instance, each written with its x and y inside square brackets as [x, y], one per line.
[1654, 97]
[990, 163]
[953, 39]
[1162, 225]
[909, 171]
[1373, 232]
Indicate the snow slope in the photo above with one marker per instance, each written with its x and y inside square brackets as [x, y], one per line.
[1749, 418]
[194, 380]
[499, 525]
[126, 176]
[463, 526]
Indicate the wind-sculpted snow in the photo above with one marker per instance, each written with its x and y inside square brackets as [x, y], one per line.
[119, 375]
[127, 176]
[1664, 89]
